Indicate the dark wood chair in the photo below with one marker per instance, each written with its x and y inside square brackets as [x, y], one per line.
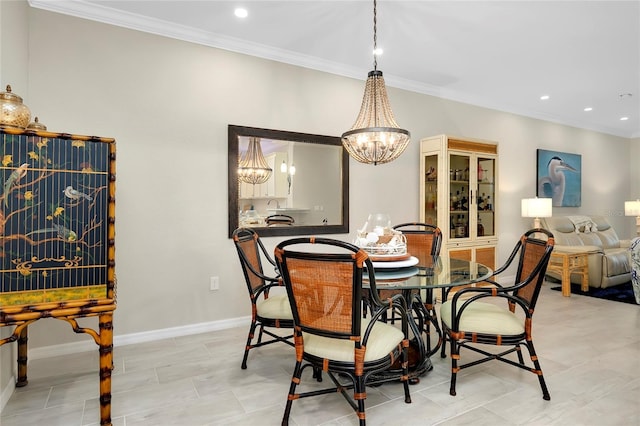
[267, 310]
[468, 321]
[324, 284]
[423, 242]
[279, 220]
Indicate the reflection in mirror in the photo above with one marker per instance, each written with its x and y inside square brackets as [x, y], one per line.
[309, 182]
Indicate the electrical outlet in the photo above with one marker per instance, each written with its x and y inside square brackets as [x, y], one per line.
[214, 283]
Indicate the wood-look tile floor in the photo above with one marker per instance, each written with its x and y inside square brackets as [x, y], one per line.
[589, 350]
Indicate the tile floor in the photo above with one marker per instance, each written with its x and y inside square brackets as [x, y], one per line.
[589, 350]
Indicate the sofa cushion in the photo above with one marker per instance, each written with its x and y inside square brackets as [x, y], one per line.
[591, 239]
[609, 239]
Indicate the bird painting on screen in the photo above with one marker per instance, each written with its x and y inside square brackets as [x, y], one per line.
[554, 184]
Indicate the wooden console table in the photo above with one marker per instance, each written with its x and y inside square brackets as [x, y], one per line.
[567, 264]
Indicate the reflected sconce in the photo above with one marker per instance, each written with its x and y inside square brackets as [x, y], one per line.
[253, 167]
[632, 208]
[375, 137]
[536, 208]
[290, 171]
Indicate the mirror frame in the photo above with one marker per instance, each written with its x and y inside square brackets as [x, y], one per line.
[234, 132]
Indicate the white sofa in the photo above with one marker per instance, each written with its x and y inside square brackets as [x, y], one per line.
[608, 255]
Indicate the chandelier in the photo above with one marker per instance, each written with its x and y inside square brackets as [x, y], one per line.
[253, 168]
[375, 137]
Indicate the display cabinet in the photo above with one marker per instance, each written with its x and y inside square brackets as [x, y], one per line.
[57, 239]
[458, 193]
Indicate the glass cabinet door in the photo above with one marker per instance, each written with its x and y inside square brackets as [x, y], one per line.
[486, 196]
[459, 178]
[431, 189]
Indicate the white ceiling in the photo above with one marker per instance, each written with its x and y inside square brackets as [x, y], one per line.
[497, 54]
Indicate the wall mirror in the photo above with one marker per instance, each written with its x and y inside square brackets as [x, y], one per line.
[309, 182]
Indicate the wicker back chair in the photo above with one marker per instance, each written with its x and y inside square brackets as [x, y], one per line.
[267, 310]
[279, 220]
[324, 279]
[467, 321]
[423, 240]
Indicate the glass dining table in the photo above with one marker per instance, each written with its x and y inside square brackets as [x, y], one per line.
[417, 284]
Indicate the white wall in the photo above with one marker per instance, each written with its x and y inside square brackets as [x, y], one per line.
[168, 104]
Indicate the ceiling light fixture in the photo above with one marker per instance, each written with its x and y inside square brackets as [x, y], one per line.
[587, 109]
[624, 118]
[375, 137]
[253, 167]
[544, 97]
[241, 13]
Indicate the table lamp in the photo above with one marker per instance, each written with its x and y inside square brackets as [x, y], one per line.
[536, 208]
[632, 208]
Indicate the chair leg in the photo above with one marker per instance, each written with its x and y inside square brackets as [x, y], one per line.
[295, 379]
[455, 355]
[260, 333]
[538, 371]
[405, 374]
[445, 337]
[252, 330]
[360, 394]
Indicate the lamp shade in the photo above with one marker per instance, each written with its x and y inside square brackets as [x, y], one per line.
[537, 207]
[632, 208]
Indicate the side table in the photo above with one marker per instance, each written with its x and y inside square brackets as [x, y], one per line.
[570, 263]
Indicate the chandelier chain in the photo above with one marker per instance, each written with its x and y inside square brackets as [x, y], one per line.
[375, 36]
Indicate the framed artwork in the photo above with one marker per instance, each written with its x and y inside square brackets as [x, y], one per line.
[559, 177]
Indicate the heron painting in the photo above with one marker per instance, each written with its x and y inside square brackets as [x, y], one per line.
[559, 177]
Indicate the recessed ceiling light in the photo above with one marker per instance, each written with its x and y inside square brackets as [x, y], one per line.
[588, 109]
[241, 12]
[544, 97]
[624, 118]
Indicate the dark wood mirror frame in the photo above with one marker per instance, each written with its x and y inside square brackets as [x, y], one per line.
[235, 132]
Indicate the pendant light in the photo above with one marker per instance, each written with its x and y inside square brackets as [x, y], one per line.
[375, 137]
[253, 167]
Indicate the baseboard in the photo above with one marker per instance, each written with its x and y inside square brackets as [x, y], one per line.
[7, 392]
[129, 339]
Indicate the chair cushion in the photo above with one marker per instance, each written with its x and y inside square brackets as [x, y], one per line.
[382, 340]
[276, 307]
[483, 317]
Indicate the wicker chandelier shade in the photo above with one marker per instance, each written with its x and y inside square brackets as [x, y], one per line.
[253, 167]
[375, 137]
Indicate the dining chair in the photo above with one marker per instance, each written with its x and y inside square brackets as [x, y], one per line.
[324, 280]
[267, 309]
[467, 320]
[423, 242]
[279, 220]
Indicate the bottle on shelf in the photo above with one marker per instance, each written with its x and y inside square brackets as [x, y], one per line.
[482, 201]
[452, 228]
[480, 227]
[464, 201]
[488, 205]
[460, 227]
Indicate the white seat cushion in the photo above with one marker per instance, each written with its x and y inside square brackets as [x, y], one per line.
[276, 307]
[382, 340]
[487, 318]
